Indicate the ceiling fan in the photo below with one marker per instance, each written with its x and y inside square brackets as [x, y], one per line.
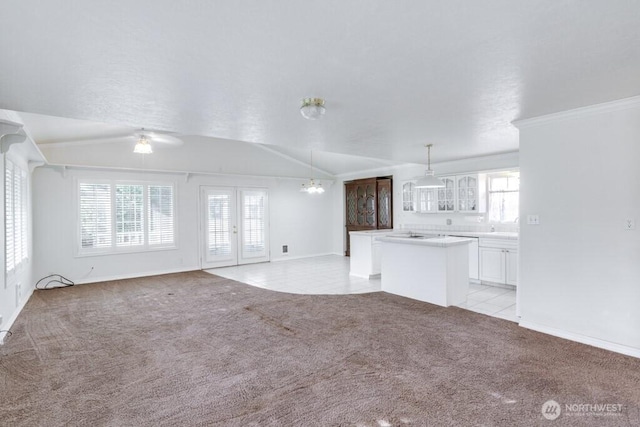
[142, 139]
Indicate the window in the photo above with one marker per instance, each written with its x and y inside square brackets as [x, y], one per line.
[16, 218]
[125, 216]
[504, 195]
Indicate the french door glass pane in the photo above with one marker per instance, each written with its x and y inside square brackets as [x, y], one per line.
[219, 224]
[253, 223]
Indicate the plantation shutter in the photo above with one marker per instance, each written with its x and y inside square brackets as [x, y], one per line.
[129, 215]
[9, 221]
[24, 215]
[16, 218]
[95, 216]
[160, 215]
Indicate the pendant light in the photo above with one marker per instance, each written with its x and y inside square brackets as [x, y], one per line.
[429, 179]
[312, 108]
[312, 187]
[143, 146]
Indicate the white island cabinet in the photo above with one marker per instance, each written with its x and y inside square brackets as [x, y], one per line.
[433, 270]
[366, 253]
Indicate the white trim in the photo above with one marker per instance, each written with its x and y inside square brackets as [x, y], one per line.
[64, 168]
[7, 326]
[136, 275]
[595, 342]
[289, 258]
[605, 107]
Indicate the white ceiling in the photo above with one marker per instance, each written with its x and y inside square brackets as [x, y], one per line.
[395, 74]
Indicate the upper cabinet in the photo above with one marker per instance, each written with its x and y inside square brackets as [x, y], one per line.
[461, 193]
[447, 194]
[471, 193]
[408, 196]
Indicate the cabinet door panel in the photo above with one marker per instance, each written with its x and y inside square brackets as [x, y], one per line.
[385, 211]
[511, 267]
[492, 265]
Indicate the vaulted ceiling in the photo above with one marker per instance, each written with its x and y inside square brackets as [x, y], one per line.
[395, 74]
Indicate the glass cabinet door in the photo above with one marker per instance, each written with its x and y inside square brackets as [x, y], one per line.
[467, 193]
[447, 195]
[408, 194]
[385, 210]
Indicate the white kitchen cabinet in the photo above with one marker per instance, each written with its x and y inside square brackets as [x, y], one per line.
[499, 261]
[409, 196]
[511, 267]
[471, 193]
[366, 253]
[474, 258]
[447, 194]
[492, 265]
[463, 193]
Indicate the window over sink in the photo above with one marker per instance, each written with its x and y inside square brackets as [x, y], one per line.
[504, 197]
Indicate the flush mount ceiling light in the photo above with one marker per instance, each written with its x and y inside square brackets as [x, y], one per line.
[312, 187]
[429, 179]
[312, 108]
[143, 146]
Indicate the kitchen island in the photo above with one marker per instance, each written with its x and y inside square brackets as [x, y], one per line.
[434, 270]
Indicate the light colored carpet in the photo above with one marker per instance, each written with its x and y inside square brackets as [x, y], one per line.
[196, 349]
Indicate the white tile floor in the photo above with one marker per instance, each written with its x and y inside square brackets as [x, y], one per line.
[330, 275]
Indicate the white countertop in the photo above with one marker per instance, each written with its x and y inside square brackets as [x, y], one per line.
[483, 234]
[442, 242]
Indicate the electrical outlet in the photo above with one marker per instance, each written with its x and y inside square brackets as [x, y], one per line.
[533, 219]
[629, 224]
[285, 249]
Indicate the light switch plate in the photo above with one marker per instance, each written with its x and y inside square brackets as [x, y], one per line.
[629, 224]
[533, 219]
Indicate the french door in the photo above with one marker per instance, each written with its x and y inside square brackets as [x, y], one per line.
[235, 226]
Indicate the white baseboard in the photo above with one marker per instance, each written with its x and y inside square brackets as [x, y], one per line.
[289, 258]
[595, 342]
[135, 275]
[7, 326]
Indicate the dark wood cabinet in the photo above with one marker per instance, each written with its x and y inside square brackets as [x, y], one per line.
[368, 205]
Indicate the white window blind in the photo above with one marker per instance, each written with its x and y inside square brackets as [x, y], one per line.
[253, 238]
[160, 214]
[16, 218]
[95, 215]
[219, 224]
[129, 215]
[120, 216]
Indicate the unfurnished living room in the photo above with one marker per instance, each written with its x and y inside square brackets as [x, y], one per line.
[338, 213]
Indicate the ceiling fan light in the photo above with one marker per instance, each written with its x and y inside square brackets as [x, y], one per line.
[143, 146]
[312, 108]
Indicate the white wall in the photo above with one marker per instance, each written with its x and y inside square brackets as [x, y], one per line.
[298, 220]
[580, 269]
